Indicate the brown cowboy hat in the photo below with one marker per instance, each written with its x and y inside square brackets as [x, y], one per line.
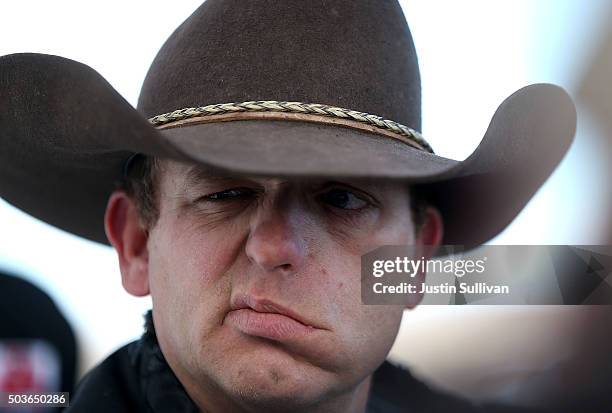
[283, 88]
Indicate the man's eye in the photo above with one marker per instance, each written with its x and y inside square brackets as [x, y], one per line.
[341, 198]
[229, 194]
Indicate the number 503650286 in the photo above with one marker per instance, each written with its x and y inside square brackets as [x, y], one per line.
[54, 399]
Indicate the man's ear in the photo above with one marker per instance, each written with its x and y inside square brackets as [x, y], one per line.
[125, 233]
[431, 230]
[428, 239]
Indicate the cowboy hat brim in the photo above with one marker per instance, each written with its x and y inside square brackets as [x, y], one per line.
[66, 134]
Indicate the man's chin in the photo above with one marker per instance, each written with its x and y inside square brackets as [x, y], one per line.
[271, 387]
[276, 380]
[313, 354]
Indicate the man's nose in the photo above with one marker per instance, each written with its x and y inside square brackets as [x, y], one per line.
[277, 239]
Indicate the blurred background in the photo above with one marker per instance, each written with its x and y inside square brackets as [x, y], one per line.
[472, 54]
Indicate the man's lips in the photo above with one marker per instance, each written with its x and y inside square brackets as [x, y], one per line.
[267, 319]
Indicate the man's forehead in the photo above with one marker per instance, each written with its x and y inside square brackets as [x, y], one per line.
[187, 174]
[192, 174]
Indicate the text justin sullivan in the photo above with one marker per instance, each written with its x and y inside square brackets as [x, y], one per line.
[446, 288]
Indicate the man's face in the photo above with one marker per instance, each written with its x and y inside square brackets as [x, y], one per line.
[234, 263]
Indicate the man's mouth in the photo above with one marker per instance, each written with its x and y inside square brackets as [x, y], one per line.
[264, 318]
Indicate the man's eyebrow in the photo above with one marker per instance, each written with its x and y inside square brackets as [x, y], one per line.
[196, 174]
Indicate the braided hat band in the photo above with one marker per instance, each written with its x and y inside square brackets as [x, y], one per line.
[276, 110]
